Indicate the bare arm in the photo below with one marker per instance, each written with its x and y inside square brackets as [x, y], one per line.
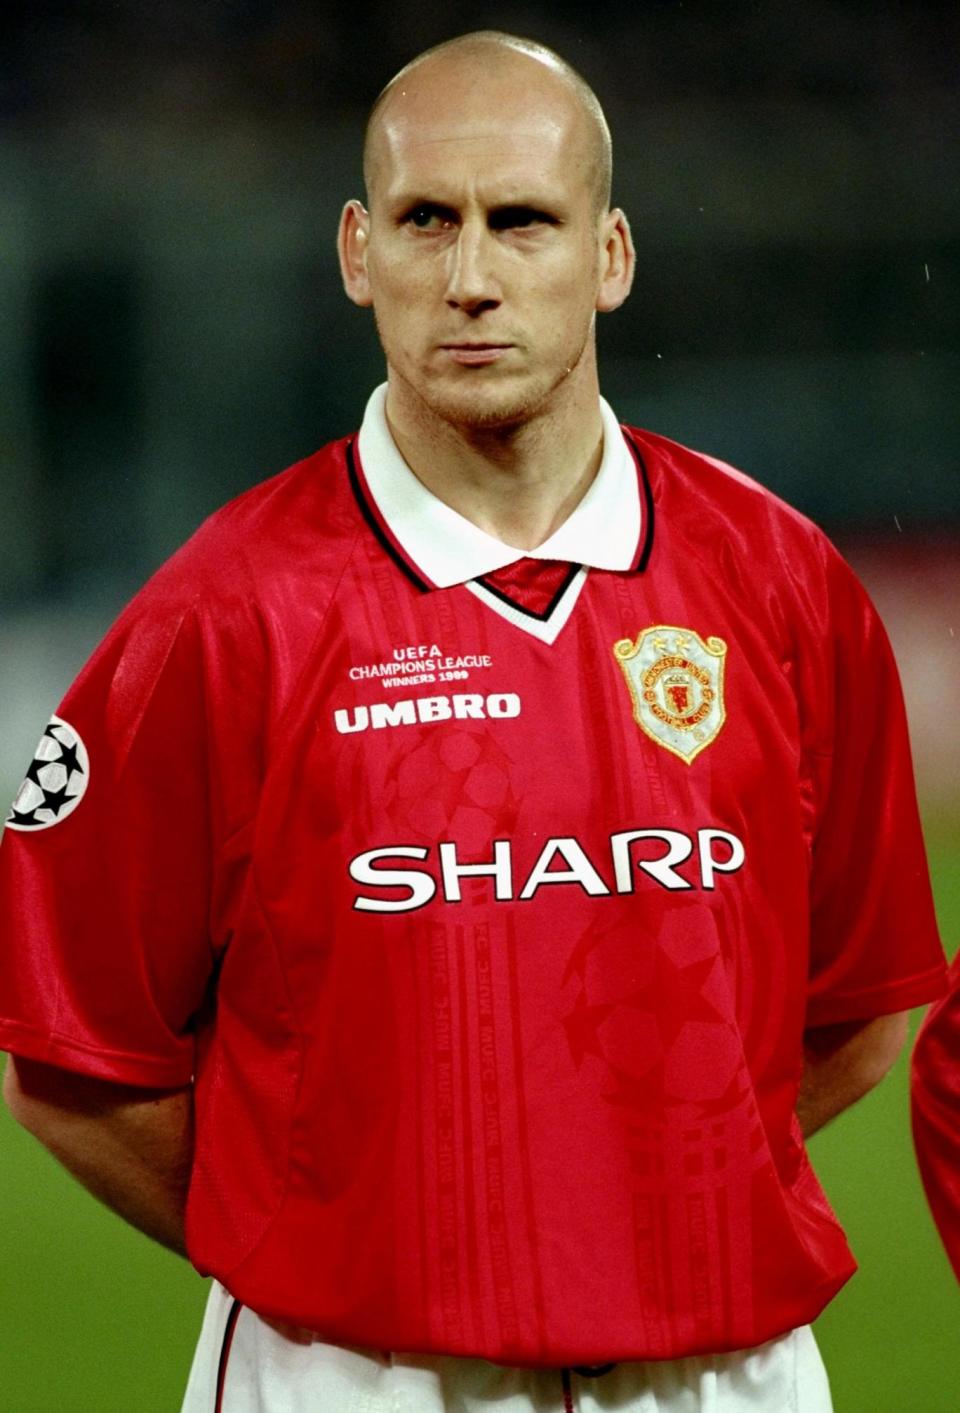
[130, 1147]
[843, 1062]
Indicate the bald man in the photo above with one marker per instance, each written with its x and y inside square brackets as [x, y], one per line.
[461, 878]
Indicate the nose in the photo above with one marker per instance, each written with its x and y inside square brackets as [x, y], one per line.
[471, 281]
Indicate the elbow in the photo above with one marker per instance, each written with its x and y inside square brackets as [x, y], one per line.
[884, 1039]
[843, 1062]
[13, 1095]
[30, 1097]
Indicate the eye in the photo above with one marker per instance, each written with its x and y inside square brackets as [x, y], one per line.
[508, 218]
[427, 217]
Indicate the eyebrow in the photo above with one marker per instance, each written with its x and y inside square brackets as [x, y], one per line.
[502, 213]
[506, 214]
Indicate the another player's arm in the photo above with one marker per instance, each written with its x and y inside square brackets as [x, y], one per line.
[843, 1062]
[131, 1147]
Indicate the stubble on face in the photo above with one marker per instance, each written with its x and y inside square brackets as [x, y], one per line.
[468, 132]
[483, 408]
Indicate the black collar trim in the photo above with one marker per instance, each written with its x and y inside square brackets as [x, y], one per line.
[366, 510]
[543, 617]
[645, 548]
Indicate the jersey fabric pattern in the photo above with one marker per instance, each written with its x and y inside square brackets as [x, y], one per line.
[494, 1004]
[935, 1107]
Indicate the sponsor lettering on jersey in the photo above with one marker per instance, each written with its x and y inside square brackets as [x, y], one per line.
[413, 711]
[375, 869]
[675, 680]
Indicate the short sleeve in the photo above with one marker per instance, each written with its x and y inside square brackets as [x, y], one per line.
[935, 1102]
[874, 942]
[106, 864]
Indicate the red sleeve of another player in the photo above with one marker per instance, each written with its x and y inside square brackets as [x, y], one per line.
[105, 872]
[936, 1113]
[874, 942]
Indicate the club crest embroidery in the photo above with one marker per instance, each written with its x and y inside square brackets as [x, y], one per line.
[675, 679]
[56, 781]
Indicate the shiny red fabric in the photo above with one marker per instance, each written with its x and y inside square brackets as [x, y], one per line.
[935, 1104]
[474, 1081]
[532, 583]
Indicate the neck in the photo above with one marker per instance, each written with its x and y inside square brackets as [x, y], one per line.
[518, 483]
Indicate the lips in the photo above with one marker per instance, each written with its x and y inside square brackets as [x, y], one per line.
[475, 354]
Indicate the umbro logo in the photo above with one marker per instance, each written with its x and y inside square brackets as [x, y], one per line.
[55, 782]
[462, 706]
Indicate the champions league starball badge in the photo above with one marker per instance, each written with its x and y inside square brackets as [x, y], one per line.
[56, 781]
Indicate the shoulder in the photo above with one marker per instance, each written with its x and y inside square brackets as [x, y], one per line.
[299, 523]
[251, 585]
[717, 514]
[781, 568]
[691, 483]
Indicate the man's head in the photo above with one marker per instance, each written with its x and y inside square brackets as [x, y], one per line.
[488, 245]
[475, 53]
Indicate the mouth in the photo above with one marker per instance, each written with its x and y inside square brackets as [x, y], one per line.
[475, 354]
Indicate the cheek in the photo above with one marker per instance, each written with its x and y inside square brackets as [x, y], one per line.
[567, 304]
[571, 283]
[396, 272]
[398, 307]
[396, 283]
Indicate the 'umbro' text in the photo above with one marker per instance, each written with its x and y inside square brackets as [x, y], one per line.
[462, 706]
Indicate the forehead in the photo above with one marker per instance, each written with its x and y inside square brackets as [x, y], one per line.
[494, 134]
[489, 162]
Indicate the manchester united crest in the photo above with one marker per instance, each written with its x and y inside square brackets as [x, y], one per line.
[675, 679]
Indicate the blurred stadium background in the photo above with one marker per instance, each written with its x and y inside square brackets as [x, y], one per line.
[172, 330]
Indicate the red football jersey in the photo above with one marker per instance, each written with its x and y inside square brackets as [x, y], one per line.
[935, 1086]
[486, 896]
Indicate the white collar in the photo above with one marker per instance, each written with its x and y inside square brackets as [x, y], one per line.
[603, 531]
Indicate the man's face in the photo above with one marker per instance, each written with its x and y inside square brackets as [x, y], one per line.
[485, 248]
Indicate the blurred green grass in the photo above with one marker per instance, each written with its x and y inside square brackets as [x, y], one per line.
[96, 1319]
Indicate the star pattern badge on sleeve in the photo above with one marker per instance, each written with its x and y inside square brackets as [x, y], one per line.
[55, 782]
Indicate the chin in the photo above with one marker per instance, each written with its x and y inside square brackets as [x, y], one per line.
[485, 405]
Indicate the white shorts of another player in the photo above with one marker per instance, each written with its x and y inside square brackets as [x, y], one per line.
[268, 1373]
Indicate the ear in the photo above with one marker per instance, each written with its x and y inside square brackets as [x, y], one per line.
[353, 239]
[617, 261]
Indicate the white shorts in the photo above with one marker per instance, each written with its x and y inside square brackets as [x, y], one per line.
[243, 1365]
